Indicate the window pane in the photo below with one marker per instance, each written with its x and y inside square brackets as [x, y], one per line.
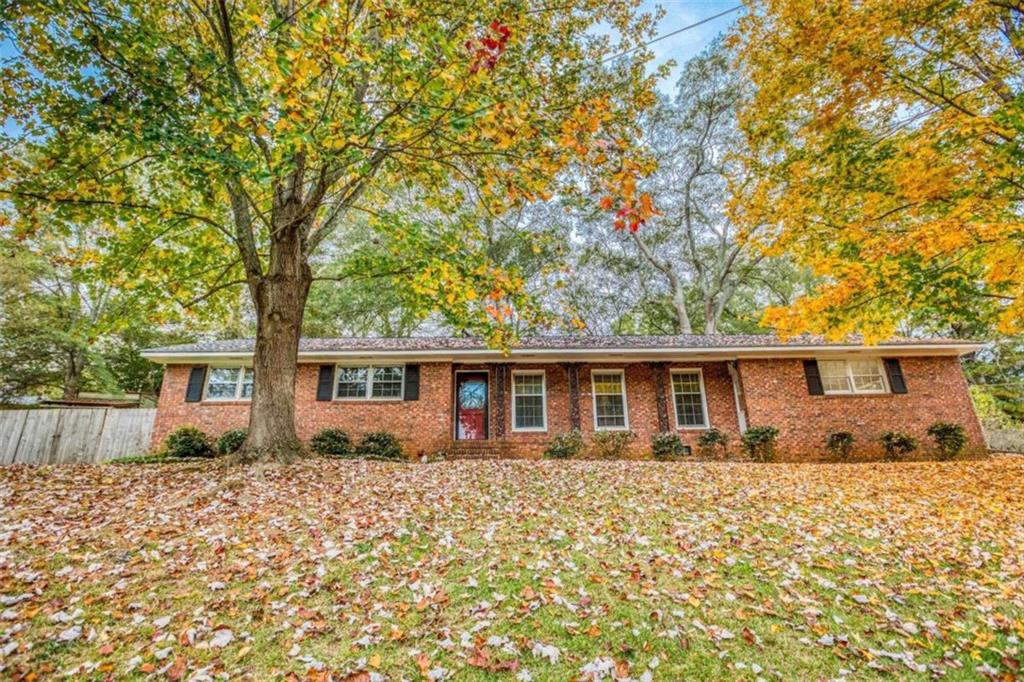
[352, 382]
[611, 411]
[607, 383]
[609, 403]
[247, 383]
[529, 384]
[834, 378]
[686, 383]
[387, 382]
[689, 404]
[867, 375]
[832, 368]
[529, 410]
[528, 397]
[223, 382]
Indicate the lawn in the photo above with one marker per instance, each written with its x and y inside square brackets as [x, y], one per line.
[513, 570]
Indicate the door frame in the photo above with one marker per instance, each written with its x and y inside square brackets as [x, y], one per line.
[455, 402]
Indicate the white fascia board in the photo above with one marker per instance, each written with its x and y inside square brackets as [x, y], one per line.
[590, 355]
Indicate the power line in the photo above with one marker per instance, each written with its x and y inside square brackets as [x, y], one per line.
[672, 33]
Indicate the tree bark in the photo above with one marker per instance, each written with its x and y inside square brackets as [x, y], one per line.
[280, 300]
[73, 374]
[683, 325]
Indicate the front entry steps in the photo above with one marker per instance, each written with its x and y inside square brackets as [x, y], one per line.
[481, 449]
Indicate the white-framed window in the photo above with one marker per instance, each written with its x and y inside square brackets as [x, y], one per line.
[529, 400]
[609, 392]
[229, 383]
[369, 382]
[689, 400]
[852, 376]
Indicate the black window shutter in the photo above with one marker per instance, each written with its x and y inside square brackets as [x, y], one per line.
[325, 383]
[814, 386]
[412, 382]
[896, 382]
[196, 379]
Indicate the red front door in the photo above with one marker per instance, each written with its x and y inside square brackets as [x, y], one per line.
[471, 405]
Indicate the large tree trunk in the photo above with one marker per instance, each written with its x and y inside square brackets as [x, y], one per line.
[683, 325]
[73, 374]
[280, 300]
[710, 316]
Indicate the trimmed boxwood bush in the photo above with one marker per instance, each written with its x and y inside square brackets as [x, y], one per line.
[380, 445]
[230, 441]
[187, 441]
[950, 438]
[565, 445]
[897, 444]
[331, 443]
[839, 443]
[713, 442]
[667, 446]
[759, 443]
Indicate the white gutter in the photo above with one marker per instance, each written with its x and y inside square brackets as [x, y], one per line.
[526, 355]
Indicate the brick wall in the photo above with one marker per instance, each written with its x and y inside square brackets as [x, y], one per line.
[422, 425]
[641, 403]
[776, 394]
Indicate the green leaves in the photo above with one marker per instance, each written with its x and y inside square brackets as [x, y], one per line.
[884, 139]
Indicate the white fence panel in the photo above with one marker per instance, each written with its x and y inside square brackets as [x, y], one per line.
[73, 436]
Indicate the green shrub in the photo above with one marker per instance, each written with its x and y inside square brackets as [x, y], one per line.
[897, 444]
[565, 445]
[713, 442]
[950, 438]
[230, 441]
[610, 444]
[187, 441]
[331, 443]
[380, 445]
[667, 446]
[758, 443]
[840, 443]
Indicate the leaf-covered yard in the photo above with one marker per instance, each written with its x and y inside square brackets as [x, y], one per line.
[514, 570]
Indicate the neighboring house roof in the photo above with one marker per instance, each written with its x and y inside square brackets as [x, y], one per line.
[535, 348]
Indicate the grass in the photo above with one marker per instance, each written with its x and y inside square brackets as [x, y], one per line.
[513, 570]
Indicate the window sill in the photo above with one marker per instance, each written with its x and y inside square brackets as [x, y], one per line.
[611, 428]
[530, 430]
[226, 401]
[704, 427]
[368, 400]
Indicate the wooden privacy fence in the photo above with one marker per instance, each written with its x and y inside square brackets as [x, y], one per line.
[73, 435]
[1003, 439]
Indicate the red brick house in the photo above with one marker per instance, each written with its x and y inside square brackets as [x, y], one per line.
[457, 396]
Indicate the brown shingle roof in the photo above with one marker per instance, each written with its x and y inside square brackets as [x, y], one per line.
[567, 343]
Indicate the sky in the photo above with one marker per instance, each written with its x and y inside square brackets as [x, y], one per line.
[680, 13]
